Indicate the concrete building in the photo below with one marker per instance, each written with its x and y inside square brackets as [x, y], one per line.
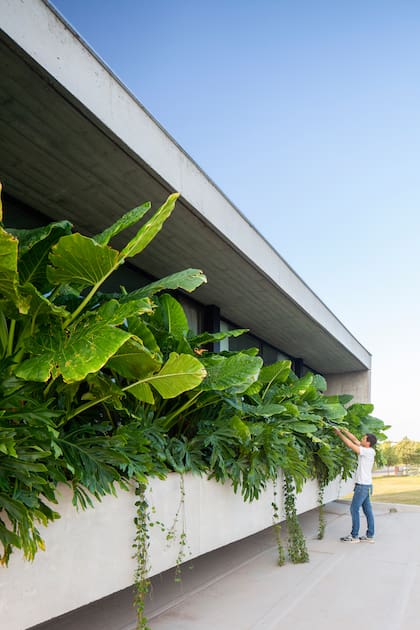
[76, 144]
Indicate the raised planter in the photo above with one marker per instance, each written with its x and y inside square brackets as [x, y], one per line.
[89, 553]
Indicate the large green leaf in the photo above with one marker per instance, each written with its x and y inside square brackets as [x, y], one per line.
[304, 427]
[360, 409]
[330, 410]
[115, 313]
[8, 253]
[127, 220]
[303, 384]
[199, 340]
[88, 349]
[149, 230]
[181, 373]
[134, 361]
[235, 372]
[38, 369]
[276, 372]
[268, 410]
[80, 262]
[138, 328]
[9, 277]
[81, 350]
[34, 249]
[143, 392]
[187, 280]
[319, 383]
[170, 316]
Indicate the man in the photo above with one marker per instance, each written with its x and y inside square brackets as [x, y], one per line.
[363, 488]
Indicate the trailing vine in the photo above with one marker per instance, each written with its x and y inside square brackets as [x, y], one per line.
[171, 535]
[281, 555]
[321, 508]
[141, 545]
[296, 544]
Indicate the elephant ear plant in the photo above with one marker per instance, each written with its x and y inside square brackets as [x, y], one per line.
[63, 413]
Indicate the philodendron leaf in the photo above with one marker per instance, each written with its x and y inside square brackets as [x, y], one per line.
[331, 411]
[302, 385]
[115, 313]
[82, 350]
[34, 248]
[80, 262]
[188, 280]
[9, 277]
[170, 316]
[180, 373]
[38, 368]
[266, 411]
[207, 337]
[138, 328]
[276, 372]
[143, 392]
[319, 383]
[8, 252]
[304, 427]
[124, 222]
[236, 372]
[134, 361]
[149, 230]
[88, 347]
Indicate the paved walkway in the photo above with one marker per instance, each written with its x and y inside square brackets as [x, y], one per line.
[344, 586]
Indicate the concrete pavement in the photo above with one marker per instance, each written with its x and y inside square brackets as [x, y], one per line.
[344, 585]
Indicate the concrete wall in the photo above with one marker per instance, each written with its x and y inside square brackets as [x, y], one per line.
[89, 554]
[355, 383]
[84, 80]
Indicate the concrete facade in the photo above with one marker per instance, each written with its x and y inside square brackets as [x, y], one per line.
[89, 555]
[356, 383]
[76, 144]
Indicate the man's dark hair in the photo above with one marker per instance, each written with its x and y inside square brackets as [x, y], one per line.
[371, 439]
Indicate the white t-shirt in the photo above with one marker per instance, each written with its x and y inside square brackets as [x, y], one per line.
[366, 459]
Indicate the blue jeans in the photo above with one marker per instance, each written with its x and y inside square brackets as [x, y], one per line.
[361, 499]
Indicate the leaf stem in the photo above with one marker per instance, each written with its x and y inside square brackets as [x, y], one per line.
[12, 329]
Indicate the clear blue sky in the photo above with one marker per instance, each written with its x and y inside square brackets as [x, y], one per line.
[307, 115]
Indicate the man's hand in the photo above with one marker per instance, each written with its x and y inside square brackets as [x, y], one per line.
[349, 439]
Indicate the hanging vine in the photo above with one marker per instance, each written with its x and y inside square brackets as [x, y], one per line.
[296, 544]
[321, 508]
[141, 545]
[277, 525]
[172, 533]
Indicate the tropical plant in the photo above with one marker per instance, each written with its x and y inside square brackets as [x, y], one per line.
[74, 368]
[98, 388]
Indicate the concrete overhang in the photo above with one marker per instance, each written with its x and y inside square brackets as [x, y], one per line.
[76, 144]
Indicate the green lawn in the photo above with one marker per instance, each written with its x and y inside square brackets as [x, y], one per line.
[396, 490]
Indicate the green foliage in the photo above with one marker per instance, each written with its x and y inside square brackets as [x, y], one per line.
[296, 544]
[73, 369]
[98, 389]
